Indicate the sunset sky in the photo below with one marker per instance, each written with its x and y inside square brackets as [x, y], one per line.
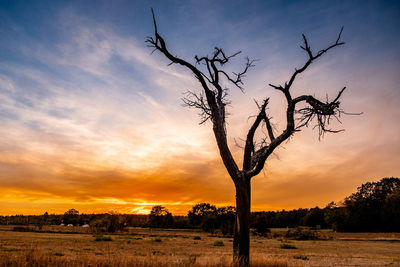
[91, 120]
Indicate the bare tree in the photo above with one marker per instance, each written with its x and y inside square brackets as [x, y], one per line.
[211, 102]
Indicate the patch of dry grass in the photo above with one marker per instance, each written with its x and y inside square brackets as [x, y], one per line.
[180, 248]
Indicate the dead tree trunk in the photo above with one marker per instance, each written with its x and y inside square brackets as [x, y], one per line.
[212, 102]
[241, 240]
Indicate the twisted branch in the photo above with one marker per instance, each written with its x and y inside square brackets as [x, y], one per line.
[213, 99]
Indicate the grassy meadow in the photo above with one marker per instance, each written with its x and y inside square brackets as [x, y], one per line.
[76, 246]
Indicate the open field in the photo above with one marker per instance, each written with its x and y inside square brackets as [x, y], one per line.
[147, 247]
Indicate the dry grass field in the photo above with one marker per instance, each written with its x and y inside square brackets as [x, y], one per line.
[146, 247]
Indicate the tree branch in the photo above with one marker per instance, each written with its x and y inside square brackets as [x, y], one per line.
[213, 100]
[191, 99]
[212, 103]
[311, 58]
[316, 109]
[249, 147]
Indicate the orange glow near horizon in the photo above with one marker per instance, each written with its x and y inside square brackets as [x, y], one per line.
[297, 179]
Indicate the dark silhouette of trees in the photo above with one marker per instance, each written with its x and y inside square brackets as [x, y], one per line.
[226, 220]
[160, 217]
[366, 206]
[210, 219]
[315, 217]
[374, 207]
[201, 213]
[391, 210]
[71, 216]
[260, 221]
[115, 222]
[212, 101]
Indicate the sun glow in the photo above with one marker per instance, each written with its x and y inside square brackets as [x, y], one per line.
[141, 210]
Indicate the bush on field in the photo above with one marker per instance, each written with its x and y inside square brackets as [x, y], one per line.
[219, 243]
[300, 233]
[287, 246]
[103, 238]
[261, 229]
[22, 229]
[300, 257]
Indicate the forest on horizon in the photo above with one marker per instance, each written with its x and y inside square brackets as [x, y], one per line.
[375, 207]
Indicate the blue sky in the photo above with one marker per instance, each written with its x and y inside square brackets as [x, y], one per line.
[91, 119]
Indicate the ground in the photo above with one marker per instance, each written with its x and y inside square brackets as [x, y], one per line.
[149, 247]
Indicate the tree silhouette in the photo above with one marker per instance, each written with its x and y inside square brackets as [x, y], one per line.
[160, 217]
[209, 71]
[377, 200]
[199, 212]
[71, 216]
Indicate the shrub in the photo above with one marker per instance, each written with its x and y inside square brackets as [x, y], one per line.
[302, 234]
[156, 239]
[300, 257]
[219, 243]
[22, 229]
[127, 237]
[287, 246]
[261, 228]
[103, 238]
[130, 237]
[58, 254]
[197, 237]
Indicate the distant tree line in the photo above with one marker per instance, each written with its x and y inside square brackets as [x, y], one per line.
[375, 207]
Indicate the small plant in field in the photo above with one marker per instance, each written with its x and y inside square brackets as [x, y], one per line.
[127, 237]
[300, 257]
[287, 246]
[300, 233]
[11, 249]
[156, 239]
[219, 243]
[22, 229]
[197, 237]
[102, 238]
[58, 254]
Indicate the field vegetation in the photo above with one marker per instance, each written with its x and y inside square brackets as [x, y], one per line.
[140, 247]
